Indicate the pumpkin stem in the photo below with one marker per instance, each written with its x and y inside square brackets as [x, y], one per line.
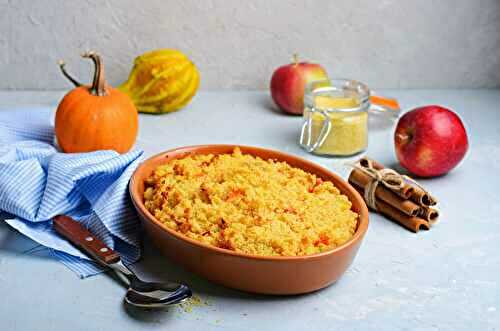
[67, 75]
[98, 84]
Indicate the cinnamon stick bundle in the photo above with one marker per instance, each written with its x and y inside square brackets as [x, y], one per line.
[397, 197]
[404, 205]
[412, 191]
[412, 223]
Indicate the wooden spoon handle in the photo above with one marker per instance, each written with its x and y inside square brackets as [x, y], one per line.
[79, 236]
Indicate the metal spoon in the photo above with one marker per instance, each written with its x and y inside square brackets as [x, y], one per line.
[140, 293]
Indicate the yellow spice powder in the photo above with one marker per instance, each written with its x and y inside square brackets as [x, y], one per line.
[349, 131]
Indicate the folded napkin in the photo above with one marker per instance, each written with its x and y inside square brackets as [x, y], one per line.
[37, 183]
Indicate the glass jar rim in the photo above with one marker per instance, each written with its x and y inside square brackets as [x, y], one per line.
[317, 87]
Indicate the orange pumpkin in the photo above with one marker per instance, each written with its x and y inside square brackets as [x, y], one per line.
[96, 117]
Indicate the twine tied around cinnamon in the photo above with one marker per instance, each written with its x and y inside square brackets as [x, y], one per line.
[387, 177]
[390, 179]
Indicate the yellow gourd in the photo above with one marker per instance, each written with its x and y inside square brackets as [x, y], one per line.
[161, 81]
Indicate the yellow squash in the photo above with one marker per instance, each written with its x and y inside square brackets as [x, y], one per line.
[161, 81]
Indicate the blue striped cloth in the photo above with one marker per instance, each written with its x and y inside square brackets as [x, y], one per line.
[37, 183]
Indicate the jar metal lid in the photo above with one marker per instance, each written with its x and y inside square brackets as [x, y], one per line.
[337, 88]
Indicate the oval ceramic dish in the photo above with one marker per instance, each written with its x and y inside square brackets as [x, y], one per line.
[258, 274]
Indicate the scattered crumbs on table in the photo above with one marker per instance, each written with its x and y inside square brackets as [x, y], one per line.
[194, 301]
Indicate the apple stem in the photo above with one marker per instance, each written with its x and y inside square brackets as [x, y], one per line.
[295, 58]
[403, 138]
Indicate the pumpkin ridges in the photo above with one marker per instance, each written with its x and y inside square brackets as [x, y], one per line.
[64, 115]
[124, 123]
[194, 88]
[133, 123]
[88, 135]
[160, 54]
[114, 124]
[146, 88]
[184, 91]
[140, 63]
[176, 104]
[151, 79]
[75, 140]
[161, 81]
[185, 97]
[143, 98]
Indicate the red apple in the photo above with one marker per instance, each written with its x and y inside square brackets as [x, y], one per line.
[288, 83]
[430, 141]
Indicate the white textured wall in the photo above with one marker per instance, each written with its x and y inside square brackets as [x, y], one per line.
[237, 44]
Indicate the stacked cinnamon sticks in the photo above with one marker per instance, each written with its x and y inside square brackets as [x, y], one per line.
[408, 204]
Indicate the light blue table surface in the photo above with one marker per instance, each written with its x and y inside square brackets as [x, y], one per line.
[443, 279]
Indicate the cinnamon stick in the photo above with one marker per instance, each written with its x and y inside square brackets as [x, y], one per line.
[430, 214]
[412, 223]
[383, 193]
[365, 161]
[420, 196]
[405, 192]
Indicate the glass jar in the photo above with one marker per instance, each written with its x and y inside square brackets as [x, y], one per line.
[335, 117]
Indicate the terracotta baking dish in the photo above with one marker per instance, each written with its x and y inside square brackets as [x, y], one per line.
[269, 275]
